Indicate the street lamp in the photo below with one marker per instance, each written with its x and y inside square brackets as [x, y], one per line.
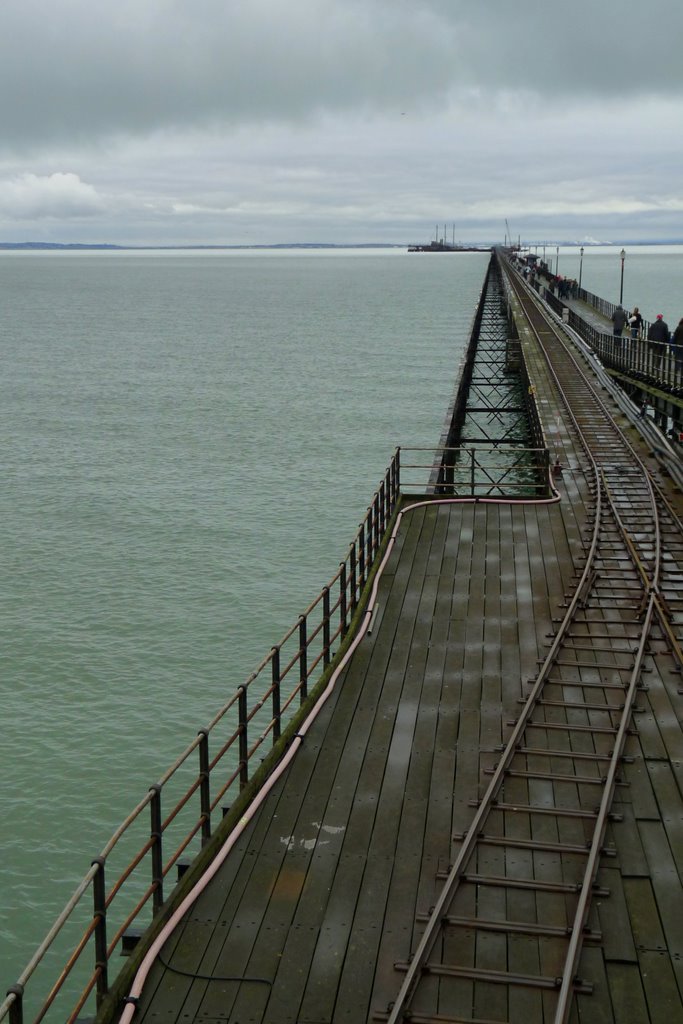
[580, 264]
[622, 254]
[557, 258]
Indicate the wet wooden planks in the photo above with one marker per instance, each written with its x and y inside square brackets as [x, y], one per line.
[320, 897]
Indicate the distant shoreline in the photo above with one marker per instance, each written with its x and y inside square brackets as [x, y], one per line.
[110, 247]
[274, 245]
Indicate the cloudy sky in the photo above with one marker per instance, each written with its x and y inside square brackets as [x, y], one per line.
[255, 121]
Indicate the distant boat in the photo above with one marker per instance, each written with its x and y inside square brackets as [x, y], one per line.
[441, 246]
[444, 247]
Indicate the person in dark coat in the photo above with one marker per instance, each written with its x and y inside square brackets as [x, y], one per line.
[658, 336]
[619, 319]
[677, 340]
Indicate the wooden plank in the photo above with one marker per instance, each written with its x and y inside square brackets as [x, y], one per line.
[626, 835]
[387, 756]
[627, 994]
[190, 950]
[443, 677]
[613, 916]
[597, 1007]
[640, 792]
[670, 802]
[512, 674]
[490, 949]
[400, 829]
[666, 884]
[662, 992]
[643, 915]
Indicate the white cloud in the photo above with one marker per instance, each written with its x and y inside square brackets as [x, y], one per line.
[57, 196]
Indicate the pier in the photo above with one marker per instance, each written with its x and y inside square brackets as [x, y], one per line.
[650, 373]
[457, 795]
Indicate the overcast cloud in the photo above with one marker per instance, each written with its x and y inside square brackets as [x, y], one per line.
[255, 121]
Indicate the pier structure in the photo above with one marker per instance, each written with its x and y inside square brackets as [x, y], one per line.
[475, 814]
[650, 373]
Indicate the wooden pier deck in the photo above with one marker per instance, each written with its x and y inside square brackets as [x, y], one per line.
[318, 900]
[326, 882]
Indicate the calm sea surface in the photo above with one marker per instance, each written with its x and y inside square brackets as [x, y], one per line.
[189, 442]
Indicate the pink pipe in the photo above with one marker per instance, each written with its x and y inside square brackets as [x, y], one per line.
[174, 920]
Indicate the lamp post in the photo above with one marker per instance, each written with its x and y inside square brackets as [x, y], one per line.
[580, 264]
[622, 254]
[557, 258]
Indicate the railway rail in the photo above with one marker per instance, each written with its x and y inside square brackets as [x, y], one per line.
[528, 864]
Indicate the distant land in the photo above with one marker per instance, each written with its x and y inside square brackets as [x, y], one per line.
[108, 247]
[275, 245]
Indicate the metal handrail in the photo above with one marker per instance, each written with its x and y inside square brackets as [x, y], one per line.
[334, 617]
[660, 363]
[481, 471]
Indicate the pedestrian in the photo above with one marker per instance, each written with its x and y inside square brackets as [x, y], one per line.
[677, 341]
[658, 336]
[618, 320]
[635, 322]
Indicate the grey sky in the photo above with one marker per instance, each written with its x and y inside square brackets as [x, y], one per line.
[253, 121]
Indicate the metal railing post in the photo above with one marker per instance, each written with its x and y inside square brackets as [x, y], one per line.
[376, 524]
[243, 742]
[100, 914]
[326, 626]
[342, 598]
[157, 859]
[382, 507]
[303, 659]
[16, 1010]
[354, 580]
[361, 556]
[204, 785]
[368, 539]
[276, 692]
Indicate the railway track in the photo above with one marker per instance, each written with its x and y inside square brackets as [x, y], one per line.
[504, 938]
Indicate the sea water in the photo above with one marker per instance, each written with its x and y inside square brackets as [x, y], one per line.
[190, 440]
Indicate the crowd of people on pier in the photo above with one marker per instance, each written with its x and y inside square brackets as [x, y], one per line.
[661, 342]
[658, 331]
[563, 287]
[660, 339]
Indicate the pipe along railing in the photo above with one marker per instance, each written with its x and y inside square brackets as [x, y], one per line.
[254, 718]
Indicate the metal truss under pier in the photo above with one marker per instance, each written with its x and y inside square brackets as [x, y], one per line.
[492, 441]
